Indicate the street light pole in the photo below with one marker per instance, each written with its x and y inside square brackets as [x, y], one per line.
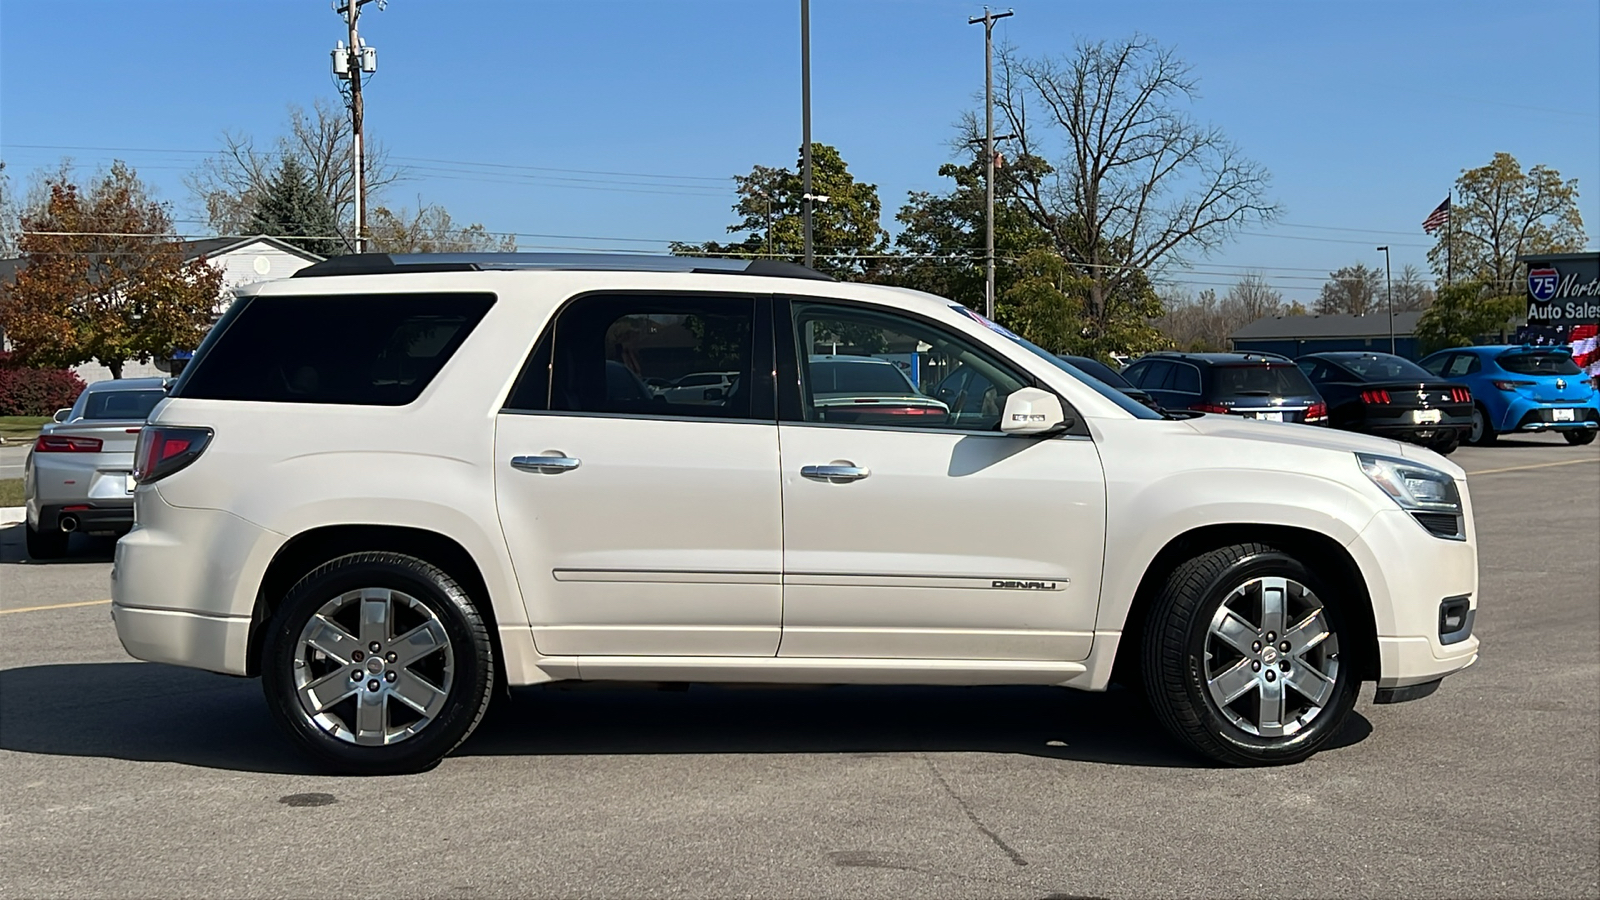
[1388, 284]
[988, 19]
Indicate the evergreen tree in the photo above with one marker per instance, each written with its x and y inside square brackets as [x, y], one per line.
[292, 208]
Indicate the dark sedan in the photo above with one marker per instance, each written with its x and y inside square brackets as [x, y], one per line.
[1389, 396]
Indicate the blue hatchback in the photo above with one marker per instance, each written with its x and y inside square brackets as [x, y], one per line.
[1522, 388]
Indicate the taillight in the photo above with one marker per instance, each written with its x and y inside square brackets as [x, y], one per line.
[1317, 412]
[163, 450]
[1460, 395]
[1379, 396]
[61, 443]
[1512, 385]
[1209, 407]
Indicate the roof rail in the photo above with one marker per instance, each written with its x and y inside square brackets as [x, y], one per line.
[394, 263]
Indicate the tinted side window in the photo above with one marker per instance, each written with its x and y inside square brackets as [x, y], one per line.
[1185, 378]
[1155, 377]
[367, 349]
[648, 355]
[127, 405]
[866, 367]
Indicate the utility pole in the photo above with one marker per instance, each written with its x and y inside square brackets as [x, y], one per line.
[1388, 282]
[805, 124]
[988, 19]
[352, 62]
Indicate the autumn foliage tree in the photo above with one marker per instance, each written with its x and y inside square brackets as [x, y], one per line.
[103, 280]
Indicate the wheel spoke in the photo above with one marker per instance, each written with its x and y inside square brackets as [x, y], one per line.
[1233, 683]
[1310, 683]
[326, 635]
[374, 615]
[370, 719]
[419, 642]
[1307, 633]
[328, 690]
[1274, 600]
[1269, 721]
[414, 691]
[1234, 631]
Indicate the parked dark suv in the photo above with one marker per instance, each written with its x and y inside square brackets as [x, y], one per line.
[1251, 385]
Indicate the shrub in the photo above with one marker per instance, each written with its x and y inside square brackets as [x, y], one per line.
[35, 392]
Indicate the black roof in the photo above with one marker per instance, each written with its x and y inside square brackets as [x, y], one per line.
[1313, 326]
[1220, 359]
[387, 263]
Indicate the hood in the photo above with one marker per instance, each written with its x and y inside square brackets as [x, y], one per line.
[1235, 428]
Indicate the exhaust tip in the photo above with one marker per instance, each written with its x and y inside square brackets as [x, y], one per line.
[69, 523]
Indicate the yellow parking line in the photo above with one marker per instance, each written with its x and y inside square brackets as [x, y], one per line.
[4, 612]
[1564, 462]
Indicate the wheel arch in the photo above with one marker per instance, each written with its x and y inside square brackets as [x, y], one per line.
[309, 549]
[1318, 552]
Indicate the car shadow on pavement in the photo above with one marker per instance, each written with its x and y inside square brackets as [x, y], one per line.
[150, 712]
[81, 548]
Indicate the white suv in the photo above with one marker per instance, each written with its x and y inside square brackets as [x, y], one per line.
[390, 483]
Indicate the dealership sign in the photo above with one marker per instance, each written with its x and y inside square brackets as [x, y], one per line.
[1564, 289]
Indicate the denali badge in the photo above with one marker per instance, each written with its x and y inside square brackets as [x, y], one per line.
[1025, 585]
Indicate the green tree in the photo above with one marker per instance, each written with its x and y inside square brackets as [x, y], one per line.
[847, 240]
[1047, 303]
[103, 279]
[1500, 213]
[290, 207]
[1463, 313]
[1353, 290]
[941, 243]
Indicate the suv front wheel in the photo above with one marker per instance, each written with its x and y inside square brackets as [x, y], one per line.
[1242, 657]
[377, 663]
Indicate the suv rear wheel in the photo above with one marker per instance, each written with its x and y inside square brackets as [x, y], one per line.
[1242, 657]
[377, 663]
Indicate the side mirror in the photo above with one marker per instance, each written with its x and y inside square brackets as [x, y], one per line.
[62, 414]
[1032, 411]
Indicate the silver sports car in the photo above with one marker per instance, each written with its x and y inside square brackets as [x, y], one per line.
[78, 476]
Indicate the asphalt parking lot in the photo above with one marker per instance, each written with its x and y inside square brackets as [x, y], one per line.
[126, 779]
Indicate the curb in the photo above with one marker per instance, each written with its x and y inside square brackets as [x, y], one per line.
[11, 515]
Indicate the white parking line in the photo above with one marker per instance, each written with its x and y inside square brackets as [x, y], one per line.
[7, 612]
[1564, 462]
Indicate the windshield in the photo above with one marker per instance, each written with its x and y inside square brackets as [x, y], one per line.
[1539, 364]
[1382, 367]
[126, 405]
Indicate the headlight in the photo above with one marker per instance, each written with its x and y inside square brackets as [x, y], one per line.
[1414, 487]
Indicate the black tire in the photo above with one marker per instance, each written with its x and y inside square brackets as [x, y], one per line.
[462, 677]
[46, 544]
[1175, 659]
[1578, 438]
[1483, 428]
[1446, 445]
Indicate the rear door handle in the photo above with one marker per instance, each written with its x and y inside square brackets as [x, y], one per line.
[835, 473]
[547, 465]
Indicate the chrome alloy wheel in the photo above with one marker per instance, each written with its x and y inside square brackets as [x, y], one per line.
[374, 666]
[1271, 661]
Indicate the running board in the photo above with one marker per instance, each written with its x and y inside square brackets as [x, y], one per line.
[803, 670]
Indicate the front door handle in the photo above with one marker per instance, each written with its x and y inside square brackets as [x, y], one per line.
[835, 473]
[547, 465]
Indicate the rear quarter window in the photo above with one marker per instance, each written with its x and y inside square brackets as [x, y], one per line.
[364, 349]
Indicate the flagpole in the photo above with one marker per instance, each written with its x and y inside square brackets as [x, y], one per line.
[1449, 234]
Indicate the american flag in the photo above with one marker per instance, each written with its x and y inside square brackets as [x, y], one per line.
[1438, 218]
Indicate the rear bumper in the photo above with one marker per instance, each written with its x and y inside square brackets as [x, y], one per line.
[217, 643]
[1527, 415]
[97, 518]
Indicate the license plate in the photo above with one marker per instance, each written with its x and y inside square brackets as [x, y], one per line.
[1426, 416]
[1563, 415]
[1270, 416]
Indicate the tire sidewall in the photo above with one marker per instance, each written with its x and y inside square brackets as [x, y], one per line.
[471, 653]
[1328, 722]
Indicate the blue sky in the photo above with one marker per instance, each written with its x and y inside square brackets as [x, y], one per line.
[1363, 111]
